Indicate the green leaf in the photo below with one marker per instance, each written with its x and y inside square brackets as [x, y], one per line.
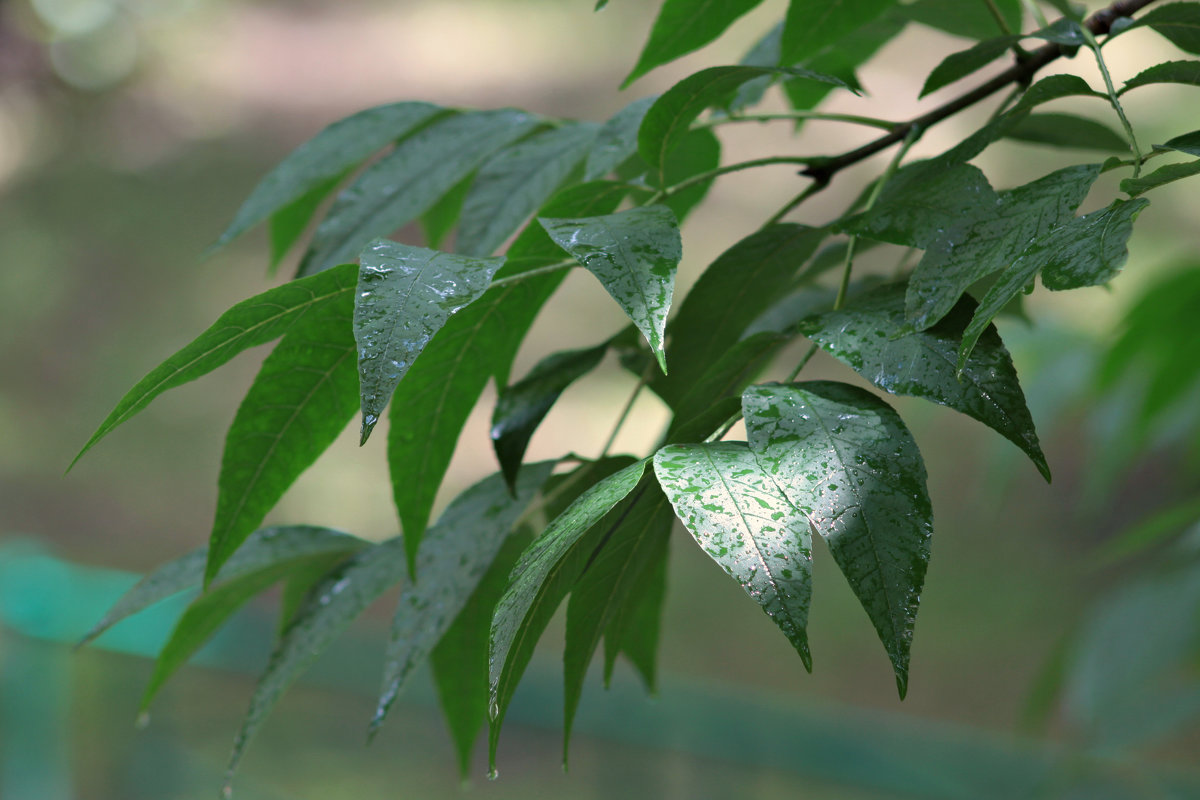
[1066, 31]
[300, 401]
[698, 151]
[454, 556]
[635, 625]
[408, 181]
[961, 64]
[405, 295]
[634, 254]
[299, 583]
[669, 118]
[843, 458]
[516, 182]
[636, 534]
[739, 365]
[732, 291]
[616, 141]
[813, 24]
[542, 577]
[842, 58]
[742, 518]
[873, 337]
[433, 401]
[1178, 22]
[440, 219]
[1187, 143]
[521, 407]
[262, 549]
[1187, 72]
[1068, 130]
[1161, 176]
[1084, 251]
[683, 26]
[248, 324]
[764, 53]
[288, 224]
[971, 20]
[332, 152]
[986, 239]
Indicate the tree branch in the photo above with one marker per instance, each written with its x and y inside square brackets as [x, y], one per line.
[1021, 72]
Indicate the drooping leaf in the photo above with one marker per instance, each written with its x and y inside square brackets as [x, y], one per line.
[516, 182]
[1084, 251]
[1187, 143]
[542, 577]
[300, 401]
[1161, 176]
[813, 24]
[1178, 22]
[433, 401]
[969, 20]
[261, 550]
[299, 582]
[407, 182]
[634, 254]
[698, 151]
[635, 625]
[248, 324]
[731, 372]
[405, 295]
[616, 141]
[845, 460]
[1186, 72]
[453, 558]
[442, 216]
[683, 26]
[740, 515]
[872, 336]
[668, 119]
[287, 225]
[987, 237]
[1068, 130]
[521, 407]
[961, 64]
[332, 152]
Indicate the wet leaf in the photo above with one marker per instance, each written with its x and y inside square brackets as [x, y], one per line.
[1178, 22]
[634, 254]
[521, 407]
[1160, 177]
[961, 64]
[872, 336]
[683, 26]
[813, 24]
[408, 181]
[1068, 130]
[301, 399]
[405, 295]
[1186, 72]
[739, 514]
[330, 153]
[845, 460]
[616, 141]
[515, 182]
[969, 20]
[248, 324]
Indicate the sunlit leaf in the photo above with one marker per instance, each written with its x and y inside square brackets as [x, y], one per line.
[1160, 177]
[813, 24]
[1186, 72]
[683, 26]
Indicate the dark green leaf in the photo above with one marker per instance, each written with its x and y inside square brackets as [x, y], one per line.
[542, 577]
[1187, 143]
[330, 153]
[731, 372]
[405, 295]
[521, 407]
[873, 337]
[634, 629]
[251, 322]
[741, 517]
[669, 118]
[262, 549]
[300, 401]
[440, 219]
[698, 151]
[433, 401]
[516, 182]
[1068, 130]
[454, 556]
[971, 20]
[1179, 22]
[1084, 251]
[811, 25]
[288, 224]
[1163, 175]
[1054, 87]
[298, 583]
[765, 53]
[845, 460]
[842, 58]
[683, 26]
[634, 254]
[959, 65]
[1065, 31]
[407, 182]
[1187, 72]
[616, 141]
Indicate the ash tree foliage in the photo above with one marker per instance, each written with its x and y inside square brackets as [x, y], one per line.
[509, 201]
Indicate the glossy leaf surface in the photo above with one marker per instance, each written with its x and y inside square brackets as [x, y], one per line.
[405, 295]
[683, 26]
[813, 24]
[634, 254]
[845, 460]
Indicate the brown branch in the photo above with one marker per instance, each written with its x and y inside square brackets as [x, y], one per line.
[1021, 72]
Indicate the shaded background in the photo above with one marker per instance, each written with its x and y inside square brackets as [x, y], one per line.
[129, 133]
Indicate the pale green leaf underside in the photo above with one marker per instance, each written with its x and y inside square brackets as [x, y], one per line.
[617, 139]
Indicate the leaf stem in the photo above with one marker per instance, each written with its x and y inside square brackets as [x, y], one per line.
[612, 437]
[1036, 12]
[795, 202]
[1001, 22]
[854, 119]
[1115, 100]
[533, 273]
[700, 177]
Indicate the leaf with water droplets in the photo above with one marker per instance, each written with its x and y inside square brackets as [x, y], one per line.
[1160, 177]
[542, 577]
[616, 141]
[811, 25]
[872, 336]
[299, 402]
[521, 407]
[739, 514]
[252, 322]
[683, 26]
[408, 181]
[405, 296]
[453, 558]
[634, 254]
[843, 458]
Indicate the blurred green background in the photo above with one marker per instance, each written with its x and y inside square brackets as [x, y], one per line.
[130, 130]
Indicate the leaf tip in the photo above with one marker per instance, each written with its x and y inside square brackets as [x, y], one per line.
[368, 425]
